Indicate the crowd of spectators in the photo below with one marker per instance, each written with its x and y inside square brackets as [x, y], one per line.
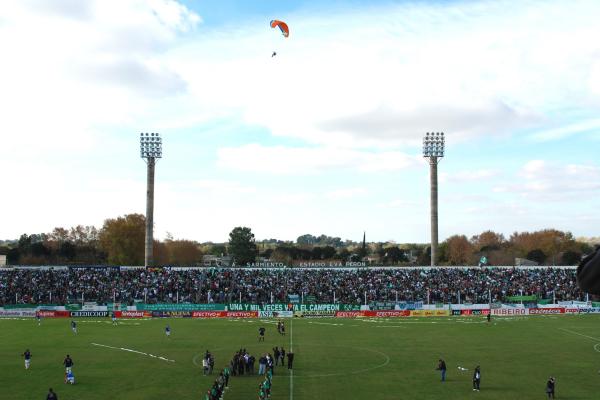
[351, 286]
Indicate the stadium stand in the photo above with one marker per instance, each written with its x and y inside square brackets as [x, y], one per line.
[476, 285]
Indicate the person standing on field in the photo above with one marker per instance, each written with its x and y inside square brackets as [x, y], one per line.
[442, 368]
[550, 387]
[51, 395]
[276, 354]
[68, 363]
[476, 378]
[27, 356]
[262, 365]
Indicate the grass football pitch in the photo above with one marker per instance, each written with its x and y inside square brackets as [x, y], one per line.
[334, 358]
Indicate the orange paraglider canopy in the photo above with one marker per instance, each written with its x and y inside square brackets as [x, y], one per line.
[282, 26]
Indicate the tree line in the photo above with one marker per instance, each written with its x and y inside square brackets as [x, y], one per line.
[120, 241]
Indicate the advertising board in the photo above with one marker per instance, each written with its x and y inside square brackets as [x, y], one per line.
[17, 313]
[54, 314]
[473, 312]
[133, 314]
[209, 314]
[171, 314]
[546, 311]
[242, 314]
[509, 312]
[89, 313]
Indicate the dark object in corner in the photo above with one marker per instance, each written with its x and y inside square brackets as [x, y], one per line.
[588, 273]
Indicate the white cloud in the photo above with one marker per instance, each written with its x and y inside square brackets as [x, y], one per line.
[280, 160]
[383, 77]
[467, 176]
[553, 181]
[223, 187]
[568, 130]
[347, 193]
[347, 92]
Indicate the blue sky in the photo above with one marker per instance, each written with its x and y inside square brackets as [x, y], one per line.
[323, 138]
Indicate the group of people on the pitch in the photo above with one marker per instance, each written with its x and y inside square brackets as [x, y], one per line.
[279, 355]
[221, 383]
[208, 363]
[68, 364]
[476, 373]
[242, 363]
[477, 378]
[264, 388]
[281, 327]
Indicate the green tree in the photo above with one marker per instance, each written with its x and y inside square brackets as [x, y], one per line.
[218, 250]
[424, 257]
[488, 241]
[394, 255]
[242, 246]
[537, 255]
[570, 257]
[459, 250]
[343, 254]
[122, 239]
[307, 239]
[183, 252]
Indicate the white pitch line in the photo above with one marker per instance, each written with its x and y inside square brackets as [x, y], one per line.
[324, 323]
[133, 351]
[580, 334]
[291, 350]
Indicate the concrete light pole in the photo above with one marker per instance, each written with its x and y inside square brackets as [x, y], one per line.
[433, 149]
[150, 150]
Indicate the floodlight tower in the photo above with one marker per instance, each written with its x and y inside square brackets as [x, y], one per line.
[150, 150]
[433, 149]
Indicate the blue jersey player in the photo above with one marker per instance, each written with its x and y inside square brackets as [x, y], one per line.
[74, 327]
[168, 331]
[27, 357]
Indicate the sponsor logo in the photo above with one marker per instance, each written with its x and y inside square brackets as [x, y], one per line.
[209, 314]
[429, 313]
[473, 312]
[539, 311]
[283, 314]
[349, 314]
[89, 313]
[385, 314]
[242, 314]
[132, 314]
[17, 313]
[54, 314]
[593, 310]
[509, 311]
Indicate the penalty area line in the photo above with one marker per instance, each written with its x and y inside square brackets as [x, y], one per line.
[579, 334]
[133, 351]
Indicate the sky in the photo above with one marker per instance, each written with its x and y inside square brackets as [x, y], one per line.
[323, 138]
